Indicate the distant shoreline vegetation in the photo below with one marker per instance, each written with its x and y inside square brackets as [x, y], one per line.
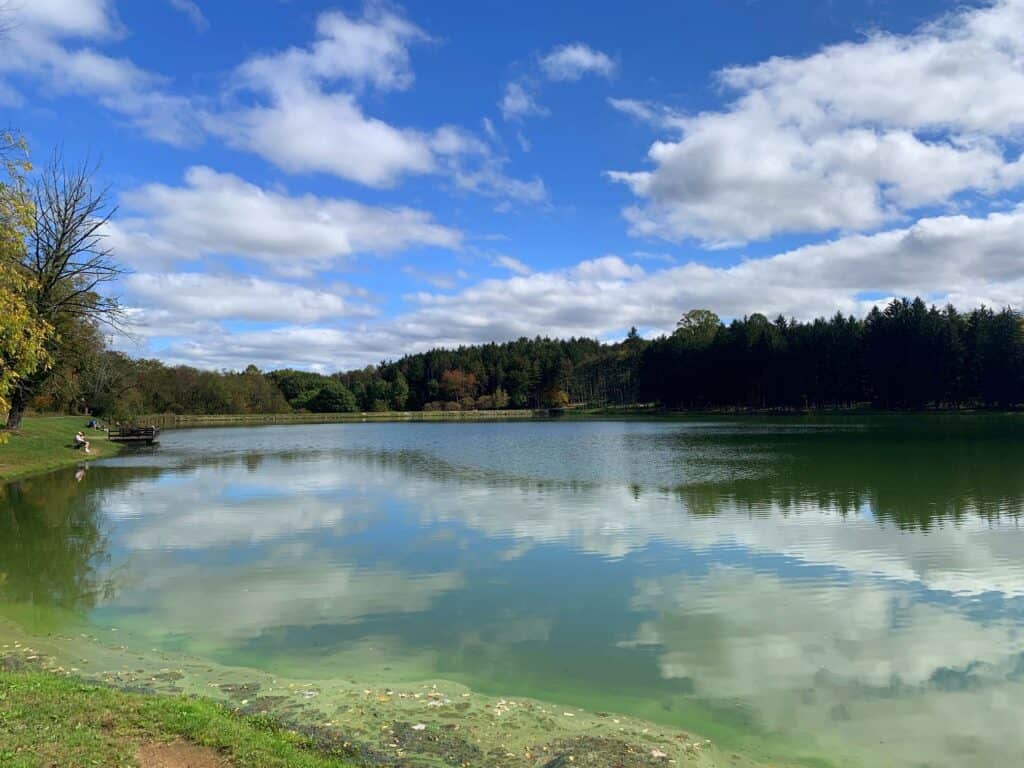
[907, 356]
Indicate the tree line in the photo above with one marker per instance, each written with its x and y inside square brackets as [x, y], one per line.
[905, 356]
[56, 276]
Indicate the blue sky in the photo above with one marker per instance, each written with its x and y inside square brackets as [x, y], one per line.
[326, 185]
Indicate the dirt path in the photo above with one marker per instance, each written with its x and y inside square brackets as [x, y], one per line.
[179, 754]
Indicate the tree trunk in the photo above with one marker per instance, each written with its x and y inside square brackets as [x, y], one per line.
[19, 401]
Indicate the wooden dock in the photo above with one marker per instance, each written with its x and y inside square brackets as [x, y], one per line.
[135, 435]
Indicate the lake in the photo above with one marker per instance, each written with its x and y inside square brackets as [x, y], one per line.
[844, 591]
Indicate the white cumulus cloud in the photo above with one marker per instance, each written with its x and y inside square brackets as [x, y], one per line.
[303, 114]
[300, 109]
[373, 50]
[572, 61]
[221, 214]
[960, 259]
[292, 132]
[848, 138]
[194, 296]
[51, 42]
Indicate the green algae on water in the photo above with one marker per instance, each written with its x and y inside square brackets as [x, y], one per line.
[427, 723]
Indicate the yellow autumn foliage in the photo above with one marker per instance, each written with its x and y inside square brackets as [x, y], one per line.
[22, 334]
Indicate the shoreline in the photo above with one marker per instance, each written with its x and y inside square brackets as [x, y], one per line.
[368, 720]
[113, 727]
[188, 421]
[43, 444]
[642, 412]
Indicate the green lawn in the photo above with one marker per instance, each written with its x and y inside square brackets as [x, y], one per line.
[45, 442]
[47, 720]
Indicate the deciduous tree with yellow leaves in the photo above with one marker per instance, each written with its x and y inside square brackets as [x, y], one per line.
[67, 268]
[23, 334]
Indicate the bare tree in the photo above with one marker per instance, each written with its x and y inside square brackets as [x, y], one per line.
[67, 252]
[69, 262]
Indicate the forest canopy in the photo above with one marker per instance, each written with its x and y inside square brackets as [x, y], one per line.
[904, 356]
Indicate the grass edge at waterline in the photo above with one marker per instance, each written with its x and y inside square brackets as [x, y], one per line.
[45, 443]
[47, 719]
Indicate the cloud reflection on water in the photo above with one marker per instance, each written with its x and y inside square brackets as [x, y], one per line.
[832, 591]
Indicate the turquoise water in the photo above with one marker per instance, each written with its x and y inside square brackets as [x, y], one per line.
[853, 585]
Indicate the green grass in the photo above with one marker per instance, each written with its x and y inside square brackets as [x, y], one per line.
[47, 720]
[44, 443]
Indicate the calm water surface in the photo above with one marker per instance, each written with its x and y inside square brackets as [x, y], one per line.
[856, 584]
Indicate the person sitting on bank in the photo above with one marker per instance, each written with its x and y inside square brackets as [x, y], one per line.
[81, 442]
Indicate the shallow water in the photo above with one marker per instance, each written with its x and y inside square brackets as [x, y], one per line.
[848, 589]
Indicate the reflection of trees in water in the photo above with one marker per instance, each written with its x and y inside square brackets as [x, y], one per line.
[914, 482]
[253, 462]
[917, 479]
[422, 464]
[53, 550]
[913, 472]
[413, 462]
[931, 476]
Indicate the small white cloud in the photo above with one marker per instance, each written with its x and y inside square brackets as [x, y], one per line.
[95, 19]
[372, 50]
[656, 114]
[193, 12]
[512, 265]
[453, 141]
[489, 129]
[474, 167]
[572, 61]
[517, 103]
[488, 180]
[608, 267]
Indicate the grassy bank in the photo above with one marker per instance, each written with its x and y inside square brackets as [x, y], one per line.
[45, 443]
[63, 689]
[49, 720]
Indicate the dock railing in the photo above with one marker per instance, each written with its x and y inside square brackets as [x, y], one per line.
[133, 434]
